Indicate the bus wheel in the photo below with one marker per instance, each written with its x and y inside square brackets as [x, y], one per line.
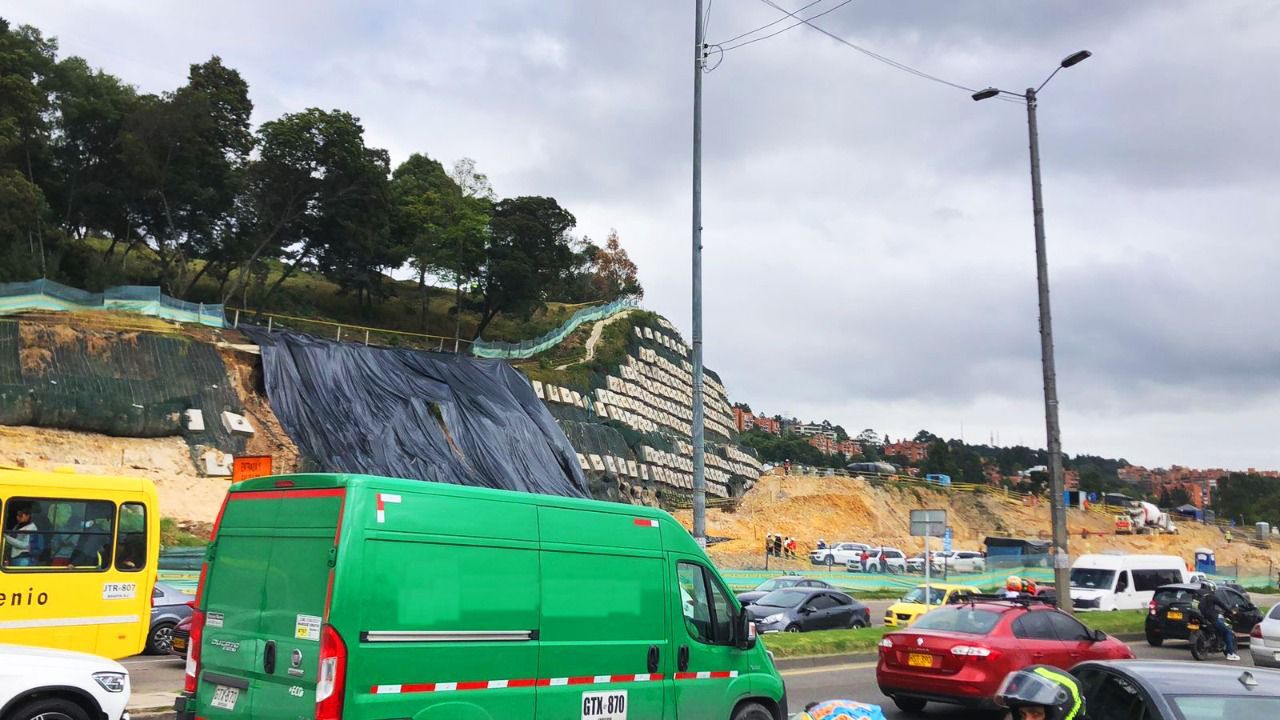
[50, 709]
[160, 639]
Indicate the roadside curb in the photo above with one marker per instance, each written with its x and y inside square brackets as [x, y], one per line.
[152, 713]
[812, 661]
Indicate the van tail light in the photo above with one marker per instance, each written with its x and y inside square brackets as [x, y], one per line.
[1256, 632]
[189, 682]
[332, 680]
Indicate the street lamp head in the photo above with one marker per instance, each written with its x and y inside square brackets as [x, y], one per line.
[1076, 58]
[987, 94]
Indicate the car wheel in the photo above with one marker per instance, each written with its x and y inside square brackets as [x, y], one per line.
[1154, 640]
[160, 639]
[753, 711]
[909, 704]
[857, 624]
[49, 709]
[792, 628]
[829, 560]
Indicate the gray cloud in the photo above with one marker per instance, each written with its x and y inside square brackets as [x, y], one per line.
[868, 233]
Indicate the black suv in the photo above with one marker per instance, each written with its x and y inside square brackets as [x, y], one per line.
[1173, 605]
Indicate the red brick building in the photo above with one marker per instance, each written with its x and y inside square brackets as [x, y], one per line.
[743, 419]
[824, 444]
[849, 448]
[914, 452]
[772, 426]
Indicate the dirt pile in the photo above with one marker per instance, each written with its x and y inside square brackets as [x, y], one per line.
[845, 509]
[185, 495]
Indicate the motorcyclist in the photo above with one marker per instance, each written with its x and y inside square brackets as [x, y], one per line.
[1214, 610]
[1040, 692]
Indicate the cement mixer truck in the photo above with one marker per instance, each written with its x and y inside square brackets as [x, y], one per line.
[1144, 517]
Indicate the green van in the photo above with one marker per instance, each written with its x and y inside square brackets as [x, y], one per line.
[331, 596]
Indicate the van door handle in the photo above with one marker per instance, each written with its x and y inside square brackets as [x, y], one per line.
[653, 658]
[682, 658]
[269, 657]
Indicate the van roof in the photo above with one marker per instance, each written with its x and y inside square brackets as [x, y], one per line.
[69, 479]
[1129, 561]
[334, 480]
[353, 480]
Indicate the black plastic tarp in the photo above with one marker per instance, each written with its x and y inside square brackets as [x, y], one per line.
[419, 415]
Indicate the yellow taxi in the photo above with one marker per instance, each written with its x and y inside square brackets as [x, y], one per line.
[912, 605]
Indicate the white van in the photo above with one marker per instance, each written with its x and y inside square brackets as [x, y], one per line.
[1122, 582]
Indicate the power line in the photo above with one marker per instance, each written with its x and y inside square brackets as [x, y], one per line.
[706, 21]
[871, 54]
[803, 21]
[766, 27]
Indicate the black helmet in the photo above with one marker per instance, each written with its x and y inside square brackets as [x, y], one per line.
[1042, 686]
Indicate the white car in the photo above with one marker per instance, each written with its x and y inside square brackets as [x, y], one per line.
[1264, 641]
[838, 554]
[39, 683]
[966, 561]
[880, 559]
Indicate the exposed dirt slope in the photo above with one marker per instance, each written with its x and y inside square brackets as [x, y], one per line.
[840, 509]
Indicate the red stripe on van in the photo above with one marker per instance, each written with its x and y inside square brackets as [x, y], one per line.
[646, 522]
[525, 683]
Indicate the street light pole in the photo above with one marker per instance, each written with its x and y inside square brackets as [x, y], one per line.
[699, 478]
[1057, 485]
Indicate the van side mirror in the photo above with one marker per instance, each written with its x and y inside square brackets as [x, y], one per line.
[745, 631]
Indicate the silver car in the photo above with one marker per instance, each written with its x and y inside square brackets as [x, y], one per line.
[168, 608]
[1264, 641]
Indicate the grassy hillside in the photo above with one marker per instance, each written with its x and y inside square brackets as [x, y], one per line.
[311, 295]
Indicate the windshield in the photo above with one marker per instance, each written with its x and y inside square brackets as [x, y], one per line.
[1205, 707]
[783, 598]
[775, 583]
[1092, 578]
[963, 620]
[917, 596]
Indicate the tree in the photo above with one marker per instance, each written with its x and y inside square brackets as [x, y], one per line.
[421, 192]
[527, 251]
[318, 195]
[924, 436]
[26, 59]
[615, 275]
[186, 152]
[463, 250]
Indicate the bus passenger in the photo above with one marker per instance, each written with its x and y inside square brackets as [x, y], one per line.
[25, 542]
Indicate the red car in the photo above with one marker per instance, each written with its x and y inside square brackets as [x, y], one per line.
[959, 654]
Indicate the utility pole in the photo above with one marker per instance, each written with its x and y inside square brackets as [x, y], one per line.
[699, 479]
[1057, 503]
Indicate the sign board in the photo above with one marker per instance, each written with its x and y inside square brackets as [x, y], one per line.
[928, 523]
[946, 541]
[250, 466]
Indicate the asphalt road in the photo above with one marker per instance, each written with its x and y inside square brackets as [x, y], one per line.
[858, 682]
[156, 679]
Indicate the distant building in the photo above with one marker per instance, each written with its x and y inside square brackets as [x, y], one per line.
[914, 452]
[824, 444]
[769, 425]
[823, 428]
[743, 419]
[849, 448]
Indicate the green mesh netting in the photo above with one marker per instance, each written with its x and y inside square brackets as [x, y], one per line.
[125, 384]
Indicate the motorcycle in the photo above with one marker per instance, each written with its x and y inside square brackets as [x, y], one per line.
[1206, 641]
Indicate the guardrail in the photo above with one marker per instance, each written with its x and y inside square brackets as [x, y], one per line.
[348, 332]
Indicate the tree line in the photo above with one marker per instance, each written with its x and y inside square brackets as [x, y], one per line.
[227, 210]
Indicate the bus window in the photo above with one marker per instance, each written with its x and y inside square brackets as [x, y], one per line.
[131, 545]
[58, 534]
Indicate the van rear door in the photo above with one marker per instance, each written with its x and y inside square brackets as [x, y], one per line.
[265, 601]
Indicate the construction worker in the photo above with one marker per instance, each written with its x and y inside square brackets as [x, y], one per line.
[791, 547]
[1040, 692]
[777, 545]
[768, 544]
[822, 544]
[1228, 535]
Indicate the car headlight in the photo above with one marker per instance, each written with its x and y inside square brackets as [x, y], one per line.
[110, 681]
[774, 618]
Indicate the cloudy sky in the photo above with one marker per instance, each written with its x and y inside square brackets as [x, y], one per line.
[868, 242]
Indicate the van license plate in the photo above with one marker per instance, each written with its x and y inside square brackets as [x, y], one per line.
[610, 705]
[225, 697]
[1174, 615]
[920, 660]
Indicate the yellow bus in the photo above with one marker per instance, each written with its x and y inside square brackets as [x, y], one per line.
[77, 560]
